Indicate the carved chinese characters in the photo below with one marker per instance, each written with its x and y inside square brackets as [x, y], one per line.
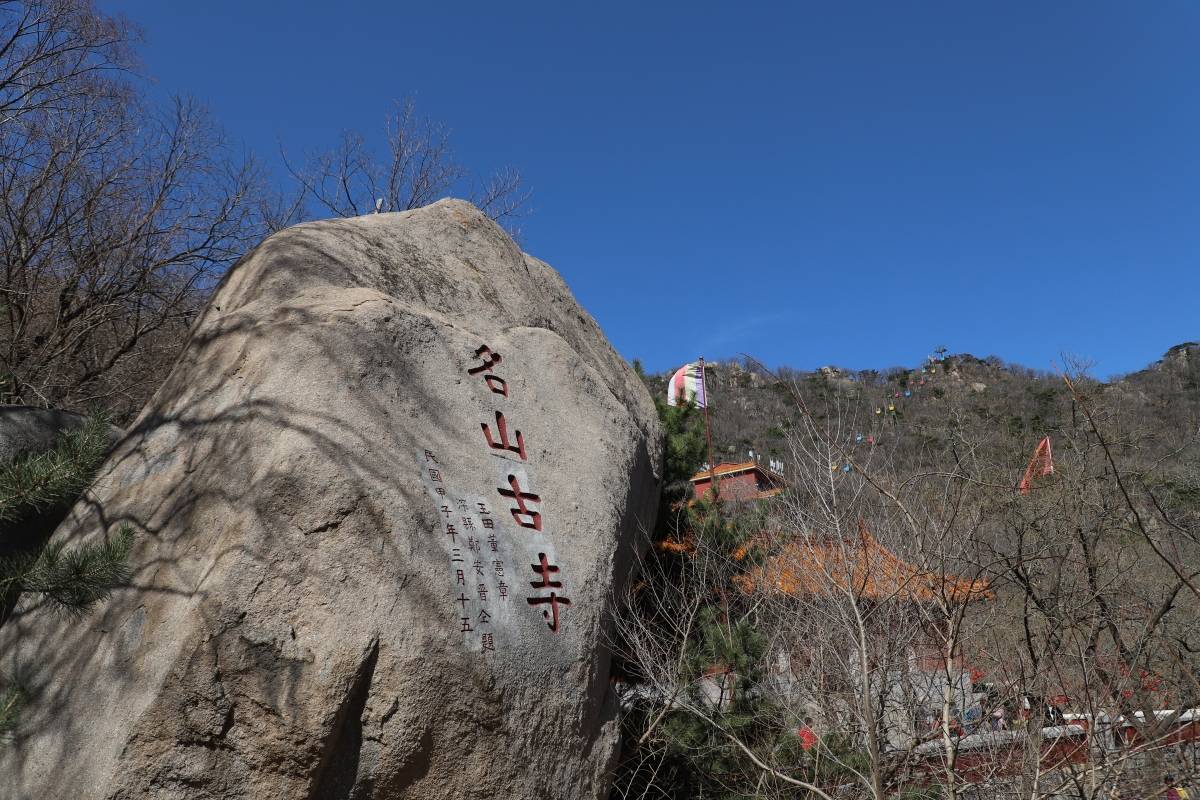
[385, 503]
[524, 516]
[480, 551]
[502, 442]
[525, 503]
[476, 556]
[490, 359]
[546, 570]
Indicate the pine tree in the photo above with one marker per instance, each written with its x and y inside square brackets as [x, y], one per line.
[683, 431]
[728, 647]
[700, 760]
[35, 483]
[36, 489]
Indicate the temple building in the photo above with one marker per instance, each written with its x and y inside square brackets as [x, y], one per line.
[746, 480]
[825, 574]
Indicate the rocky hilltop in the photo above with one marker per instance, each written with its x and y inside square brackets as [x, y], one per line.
[1012, 406]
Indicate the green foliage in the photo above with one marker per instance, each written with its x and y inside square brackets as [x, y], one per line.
[987, 433]
[726, 649]
[684, 441]
[725, 643]
[933, 792]
[683, 428]
[1176, 490]
[732, 644]
[783, 391]
[12, 700]
[35, 483]
[1015, 426]
[725, 528]
[71, 580]
[726, 635]
[846, 759]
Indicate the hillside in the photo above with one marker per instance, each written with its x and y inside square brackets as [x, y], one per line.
[1008, 406]
[907, 544]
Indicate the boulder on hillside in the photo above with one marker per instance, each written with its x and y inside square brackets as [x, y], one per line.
[384, 501]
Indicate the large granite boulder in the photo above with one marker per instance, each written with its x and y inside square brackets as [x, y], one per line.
[383, 501]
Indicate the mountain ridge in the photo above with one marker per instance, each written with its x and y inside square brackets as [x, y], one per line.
[752, 408]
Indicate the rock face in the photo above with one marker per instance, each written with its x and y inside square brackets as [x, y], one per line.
[383, 501]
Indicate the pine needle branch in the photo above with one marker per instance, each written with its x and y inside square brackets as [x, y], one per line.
[35, 483]
[11, 701]
[72, 580]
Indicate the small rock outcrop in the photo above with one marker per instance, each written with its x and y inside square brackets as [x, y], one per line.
[382, 504]
[25, 429]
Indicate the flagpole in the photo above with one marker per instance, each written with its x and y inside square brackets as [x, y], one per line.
[712, 465]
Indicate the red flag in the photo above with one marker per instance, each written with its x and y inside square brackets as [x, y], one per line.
[1041, 465]
[807, 738]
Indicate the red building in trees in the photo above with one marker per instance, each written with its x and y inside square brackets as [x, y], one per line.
[743, 481]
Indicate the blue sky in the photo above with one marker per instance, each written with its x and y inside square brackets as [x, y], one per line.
[807, 183]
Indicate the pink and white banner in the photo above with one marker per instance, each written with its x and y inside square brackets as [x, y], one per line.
[687, 384]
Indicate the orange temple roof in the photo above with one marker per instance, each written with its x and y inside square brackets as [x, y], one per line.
[860, 566]
[727, 468]
[724, 469]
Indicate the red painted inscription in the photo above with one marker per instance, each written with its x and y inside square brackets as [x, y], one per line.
[490, 360]
[525, 517]
[502, 435]
[545, 569]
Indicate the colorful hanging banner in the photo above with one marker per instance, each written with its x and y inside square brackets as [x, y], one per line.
[687, 384]
[1041, 465]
